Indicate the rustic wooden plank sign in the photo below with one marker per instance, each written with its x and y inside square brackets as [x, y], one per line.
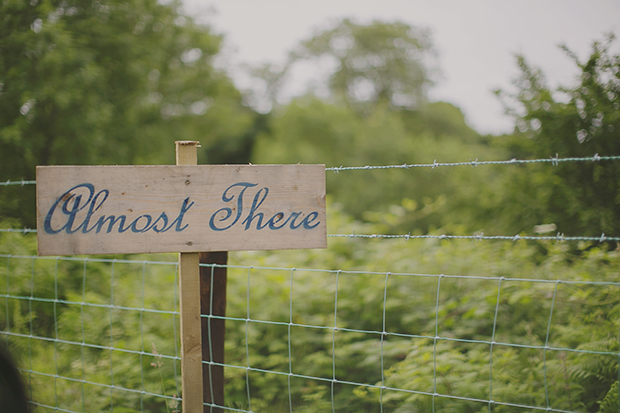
[147, 209]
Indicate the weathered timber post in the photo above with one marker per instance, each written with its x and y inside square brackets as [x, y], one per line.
[213, 301]
[189, 303]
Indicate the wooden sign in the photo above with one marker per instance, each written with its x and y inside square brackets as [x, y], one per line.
[144, 209]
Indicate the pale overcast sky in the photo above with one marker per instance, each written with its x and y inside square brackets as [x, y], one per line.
[475, 40]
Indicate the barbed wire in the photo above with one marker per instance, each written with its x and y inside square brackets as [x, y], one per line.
[514, 161]
[21, 182]
[55, 343]
[478, 237]
[553, 160]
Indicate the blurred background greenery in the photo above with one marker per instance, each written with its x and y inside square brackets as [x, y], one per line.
[117, 82]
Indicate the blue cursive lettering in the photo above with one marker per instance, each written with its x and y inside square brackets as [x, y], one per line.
[229, 211]
[78, 209]
[225, 218]
[66, 208]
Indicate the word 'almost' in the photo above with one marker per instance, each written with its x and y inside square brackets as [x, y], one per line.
[72, 202]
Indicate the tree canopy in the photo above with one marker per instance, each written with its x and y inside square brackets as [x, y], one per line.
[581, 120]
[116, 81]
[376, 63]
[109, 82]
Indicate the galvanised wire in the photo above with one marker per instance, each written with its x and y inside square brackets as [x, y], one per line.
[378, 387]
[478, 237]
[290, 352]
[403, 335]
[142, 335]
[210, 336]
[20, 182]
[499, 289]
[89, 345]
[87, 304]
[88, 259]
[383, 334]
[553, 160]
[111, 337]
[514, 161]
[334, 380]
[555, 292]
[31, 329]
[291, 374]
[174, 327]
[58, 409]
[94, 383]
[83, 335]
[557, 238]
[31, 373]
[435, 340]
[470, 277]
[55, 332]
[247, 345]
[381, 387]
[6, 301]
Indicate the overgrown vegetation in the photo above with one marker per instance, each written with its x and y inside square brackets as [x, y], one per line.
[585, 319]
[521, 324]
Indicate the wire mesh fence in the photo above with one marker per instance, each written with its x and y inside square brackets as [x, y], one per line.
[93, 334]
[115, 344]
[401, 326]
[406, 364]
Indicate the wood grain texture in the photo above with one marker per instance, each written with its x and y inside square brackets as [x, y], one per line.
[149, 209]
[189, 303]
[191, 344]
[186, 152]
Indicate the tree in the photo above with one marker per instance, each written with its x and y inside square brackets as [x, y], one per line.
[578, 121]
[107, 82]
[310, 130]
[375, 63]
[391, 125]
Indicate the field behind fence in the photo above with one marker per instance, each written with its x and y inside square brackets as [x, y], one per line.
[377, 322]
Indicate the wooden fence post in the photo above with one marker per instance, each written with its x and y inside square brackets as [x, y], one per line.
[189, 303]
[213, 329]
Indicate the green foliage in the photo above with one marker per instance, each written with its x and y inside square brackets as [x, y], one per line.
[451, 326]
[610, 402]
[377, 63]
[111, 294]
[110, 82]
[585, 318]
[412, 303]
[577, 121]
[312, 131]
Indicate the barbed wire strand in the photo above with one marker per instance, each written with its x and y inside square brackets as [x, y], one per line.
[514, 161]
[21, 182]
[558, 238]
[116, 348]
[478, 237]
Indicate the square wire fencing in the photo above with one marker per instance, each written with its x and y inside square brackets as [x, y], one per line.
[93, 334]
[469, 327]
[305, 340]
[98, 335]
